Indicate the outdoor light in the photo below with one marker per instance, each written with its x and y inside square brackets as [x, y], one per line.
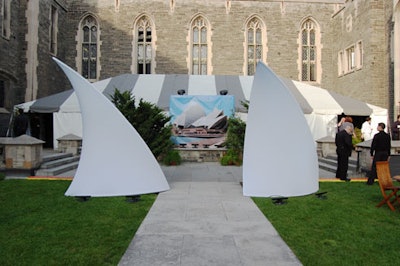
[181, 92]
[223, 92]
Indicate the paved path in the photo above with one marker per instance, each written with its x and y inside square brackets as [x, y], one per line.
[205, 220]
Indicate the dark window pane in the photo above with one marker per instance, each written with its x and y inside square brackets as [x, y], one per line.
[2, 92]
[85, 34]
[93, 51]
[140, 69]
[93, 34]
[195, 35]
[93, 69]
[312, 72]
[85, 50]
[148, 68]
[304, 75]
[85, 67]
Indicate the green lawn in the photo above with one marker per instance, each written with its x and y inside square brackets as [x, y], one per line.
[41, 226]
[344, 229]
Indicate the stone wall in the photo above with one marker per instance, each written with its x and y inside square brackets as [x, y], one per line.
[362, 20]
[370, 22]
[201, 155]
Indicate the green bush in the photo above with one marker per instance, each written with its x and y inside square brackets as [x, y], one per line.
[357, 136]
[234, 142]
[148, 120]
[172, 158]
[231, 158]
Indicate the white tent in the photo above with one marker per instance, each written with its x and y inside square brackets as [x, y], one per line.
[320, 107]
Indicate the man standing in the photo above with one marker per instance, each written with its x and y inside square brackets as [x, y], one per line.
[380, 150]
[344, 147]
[366, 129]
[395, 129]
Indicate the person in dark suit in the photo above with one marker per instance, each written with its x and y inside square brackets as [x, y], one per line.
[344, 146]
[380, 150]
[395, 129]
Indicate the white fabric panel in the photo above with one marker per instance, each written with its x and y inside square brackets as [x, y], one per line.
[148, 88]
[271, 142]
[102, 84]
[202, 85]
[321, 125]
[378, 111]
[66, 123]
[319, 99]
[115, 161]
[71, 105]
[246, 82]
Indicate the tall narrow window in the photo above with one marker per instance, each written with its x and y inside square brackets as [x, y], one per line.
[341, 68]
[144, 46]
[254, 45]
[351, 59]
[359, 54]
[6, 22]
[53, 30]
[309, 51]
[199, 47]
[89, 47]
[2, 92]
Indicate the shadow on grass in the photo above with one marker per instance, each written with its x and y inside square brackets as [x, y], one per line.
[344, 229]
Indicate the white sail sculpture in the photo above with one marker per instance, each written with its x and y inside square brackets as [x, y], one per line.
[280, 158]
[115, 161]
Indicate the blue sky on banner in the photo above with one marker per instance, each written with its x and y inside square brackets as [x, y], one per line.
[178, 104]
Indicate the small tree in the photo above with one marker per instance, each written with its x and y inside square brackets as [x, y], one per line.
[234, 142]
[148, 120]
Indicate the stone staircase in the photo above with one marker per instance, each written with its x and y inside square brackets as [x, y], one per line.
[57, 163]
[329, 163]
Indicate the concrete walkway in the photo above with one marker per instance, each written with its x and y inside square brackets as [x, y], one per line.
[205, 220]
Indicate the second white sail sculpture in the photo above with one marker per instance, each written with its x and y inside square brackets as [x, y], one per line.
[280, 156]
[115, 161]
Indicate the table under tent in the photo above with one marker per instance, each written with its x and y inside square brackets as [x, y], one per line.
[321, 107]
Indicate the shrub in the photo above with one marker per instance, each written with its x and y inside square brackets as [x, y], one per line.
[148, 120]
[230, 158]
[234, 142]
[172, 158]
[357, 136]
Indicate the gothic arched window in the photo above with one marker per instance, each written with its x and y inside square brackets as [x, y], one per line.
[309, 51]
[254, 40]
[89, 38]
[199, 47]
[144, 46]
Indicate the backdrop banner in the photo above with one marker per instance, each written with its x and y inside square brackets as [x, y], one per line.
[200, 119]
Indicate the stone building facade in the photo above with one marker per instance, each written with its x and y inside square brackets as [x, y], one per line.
[343, 45]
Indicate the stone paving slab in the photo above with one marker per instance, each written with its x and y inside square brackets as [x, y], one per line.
[205, 220]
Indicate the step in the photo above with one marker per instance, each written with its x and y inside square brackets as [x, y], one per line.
[59, 162]
[57, 170]
[333, 163]
[334, 157]
[55, 156]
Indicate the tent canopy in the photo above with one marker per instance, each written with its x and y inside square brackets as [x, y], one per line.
[321, 107]
[157, 89]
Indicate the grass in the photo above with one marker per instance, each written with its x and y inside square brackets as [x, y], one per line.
[41, 226]
[344, 229]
